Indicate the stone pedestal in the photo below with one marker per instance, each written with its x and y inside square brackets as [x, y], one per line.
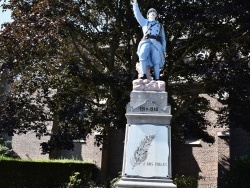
[147, 148]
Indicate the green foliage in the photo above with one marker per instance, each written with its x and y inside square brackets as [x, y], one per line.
[74, 181]
[238, 175]
[2, 157]
[5, 149]
[71, 56]
[115, 180]
[46, 174]
[186, 181]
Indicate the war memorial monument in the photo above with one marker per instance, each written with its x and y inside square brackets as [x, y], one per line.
[147, 146]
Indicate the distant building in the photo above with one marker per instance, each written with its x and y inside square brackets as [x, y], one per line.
[194, 157]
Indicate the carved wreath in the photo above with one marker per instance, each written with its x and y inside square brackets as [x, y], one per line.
[141, 153]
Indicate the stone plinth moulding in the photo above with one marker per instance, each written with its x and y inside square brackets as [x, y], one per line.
[147, 148]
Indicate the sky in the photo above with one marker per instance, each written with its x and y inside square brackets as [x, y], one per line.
[4, 16]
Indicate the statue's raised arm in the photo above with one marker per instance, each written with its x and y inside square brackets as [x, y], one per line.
[151, 49]
[140, 19]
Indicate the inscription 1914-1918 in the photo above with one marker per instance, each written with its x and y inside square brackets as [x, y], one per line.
[148, 109]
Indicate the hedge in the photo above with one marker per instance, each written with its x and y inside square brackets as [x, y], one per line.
[20, 173]
[238, 176]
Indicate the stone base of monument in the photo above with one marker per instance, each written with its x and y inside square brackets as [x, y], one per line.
[145, 182]
[147, 147]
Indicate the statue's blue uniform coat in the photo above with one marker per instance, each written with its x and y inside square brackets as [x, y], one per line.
[159, 58]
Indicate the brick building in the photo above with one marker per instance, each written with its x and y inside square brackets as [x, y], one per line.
[194, 157]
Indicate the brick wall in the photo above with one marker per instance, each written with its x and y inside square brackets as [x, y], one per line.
[85, 150]
[115, 152]
[240, 143]
[197, 160]
[223, 159]
[210, 161]
[27, 146]
[203, 159]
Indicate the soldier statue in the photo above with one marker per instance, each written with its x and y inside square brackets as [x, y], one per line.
[152, 48]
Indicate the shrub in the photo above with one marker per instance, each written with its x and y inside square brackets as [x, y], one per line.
[183, 181]
[115, 180]
[239, 173]
[6, 150]
[75, 181]
[21, 173]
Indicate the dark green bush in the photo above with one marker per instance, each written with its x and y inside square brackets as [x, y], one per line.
[115, 180]
[6, 150]
[239, 173]
[183, 181]
[18, 173]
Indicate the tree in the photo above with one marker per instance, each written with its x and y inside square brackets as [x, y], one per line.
[64, 50]
[63, 59]
[238, 173]
[6, 150]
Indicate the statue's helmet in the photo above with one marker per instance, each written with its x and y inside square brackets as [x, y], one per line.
[152, 10]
